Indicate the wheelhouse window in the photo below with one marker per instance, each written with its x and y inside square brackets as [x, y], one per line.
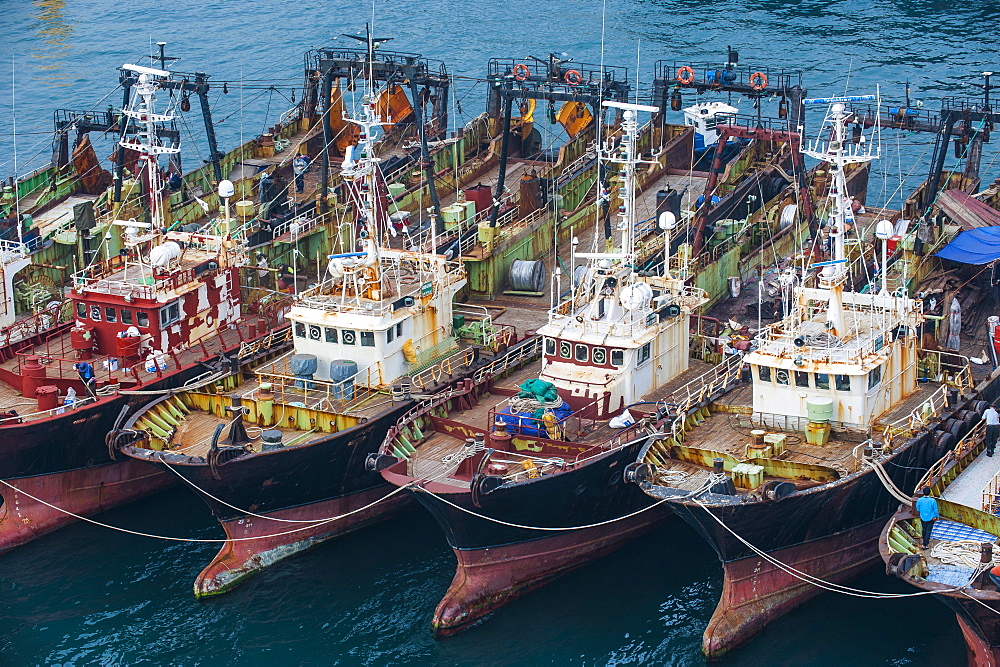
[550, 346]
[142, 319]
[874, 377]
[81, 310]
[300, 329]
[617, 357]
[801, 379]
[843, 382]
[781, 376]
[399, 329]
[126, 316]
[315, 332]
[565, 349]
[390, 334]
[822, 380]
[582, 353]
[331, 335]
[764, 373]
[644, 353]
[367, 339]
[110, 314]
[170, 313]
[600, 355]
[348, 337]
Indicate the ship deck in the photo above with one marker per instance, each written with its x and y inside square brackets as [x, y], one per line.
[727, 430]
[428, 462]
[61, 358]
[59, 215]
[141, 275]
[689, 185]
[194, 434]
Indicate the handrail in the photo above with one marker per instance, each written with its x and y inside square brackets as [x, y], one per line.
[58, 410]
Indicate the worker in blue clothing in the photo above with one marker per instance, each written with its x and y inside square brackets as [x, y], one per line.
[992, 419]
[927, 507]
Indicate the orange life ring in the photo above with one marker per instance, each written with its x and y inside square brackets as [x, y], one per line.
[758, 81]
[521, 72]
[685, 75]
[573, 77]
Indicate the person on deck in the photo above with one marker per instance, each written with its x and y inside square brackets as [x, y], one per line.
[927, 507]
[299, 165]
[992, 419]
[995, 576]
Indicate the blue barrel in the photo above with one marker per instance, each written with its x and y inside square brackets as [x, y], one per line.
[304, 367]
[342, 372]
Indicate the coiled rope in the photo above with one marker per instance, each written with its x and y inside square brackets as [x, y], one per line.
[317, 523]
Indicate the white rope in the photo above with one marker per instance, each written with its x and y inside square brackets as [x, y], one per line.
[821, 583]
[959, 553]
[232, 507]
[517, 525]
[318, 522]
[883, 476]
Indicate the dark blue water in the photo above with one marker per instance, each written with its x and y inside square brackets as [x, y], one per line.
[89, 595]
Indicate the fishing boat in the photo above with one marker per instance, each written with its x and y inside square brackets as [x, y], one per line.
[522, 466]
[163, 313]
[779, 462]
[375, 335]
[962, 544]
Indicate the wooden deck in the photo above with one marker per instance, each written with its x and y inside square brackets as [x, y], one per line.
[194, 435]
[428, 461]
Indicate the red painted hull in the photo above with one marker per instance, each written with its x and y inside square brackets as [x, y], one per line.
[755, 592]
[980, 652]
[489, 578]
[238, 560]
[84, 491]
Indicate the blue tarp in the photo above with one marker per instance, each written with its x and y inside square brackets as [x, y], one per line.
[975, 246]
[525, 423]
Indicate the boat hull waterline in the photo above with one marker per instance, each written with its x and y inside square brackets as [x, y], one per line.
[829, 532]
[498, 563]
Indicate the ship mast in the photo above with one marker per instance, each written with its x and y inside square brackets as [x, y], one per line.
[147, 141]
[838, 153]
[627, 158]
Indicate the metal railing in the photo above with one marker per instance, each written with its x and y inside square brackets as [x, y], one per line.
[433, 375]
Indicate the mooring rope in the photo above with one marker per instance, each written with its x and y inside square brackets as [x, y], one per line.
[887, 482]
[827, 585]
[318, 522]
[232, 507]
[541, 528]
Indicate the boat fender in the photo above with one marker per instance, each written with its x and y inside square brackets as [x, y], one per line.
[758, 81]
[378, 462]
[919, 450]
[521, 71]
[937, 446]
[685, 75]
